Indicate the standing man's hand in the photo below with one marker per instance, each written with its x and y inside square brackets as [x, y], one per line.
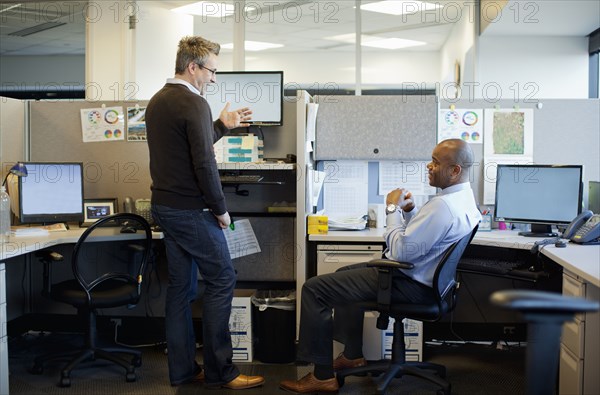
[224, 220]
[235, 119]
[401, 198]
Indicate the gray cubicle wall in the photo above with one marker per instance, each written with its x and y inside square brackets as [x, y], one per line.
[111, 169]
[566, 131]
[376, 127]
[118, 168]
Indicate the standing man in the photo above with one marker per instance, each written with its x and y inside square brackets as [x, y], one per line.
[189, 205]
[416, 236]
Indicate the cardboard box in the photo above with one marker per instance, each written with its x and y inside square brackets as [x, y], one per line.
[240, 325]
[413, 339]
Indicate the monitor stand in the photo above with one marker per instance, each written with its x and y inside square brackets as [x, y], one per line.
[538, 230]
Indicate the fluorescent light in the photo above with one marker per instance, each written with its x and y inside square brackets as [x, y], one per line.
[10, 7]
[377, 42]
[350, 38]
[400, 7]
[393, 43]
[254, 46]
[206, 8]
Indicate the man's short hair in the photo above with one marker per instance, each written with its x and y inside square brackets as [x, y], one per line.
[194, 49]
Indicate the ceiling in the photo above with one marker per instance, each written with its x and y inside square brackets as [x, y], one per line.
[65, 24]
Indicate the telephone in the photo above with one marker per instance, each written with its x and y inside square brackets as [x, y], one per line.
[584, 229]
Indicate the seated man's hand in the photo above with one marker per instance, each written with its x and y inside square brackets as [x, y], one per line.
[401, 198]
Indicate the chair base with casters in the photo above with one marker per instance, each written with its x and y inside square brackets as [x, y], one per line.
[398, 367]
[443, 294]
[104, 276]
[545, 314]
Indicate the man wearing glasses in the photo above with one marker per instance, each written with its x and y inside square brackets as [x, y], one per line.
[189, 205]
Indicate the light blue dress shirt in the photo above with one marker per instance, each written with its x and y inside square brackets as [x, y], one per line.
[421, 236]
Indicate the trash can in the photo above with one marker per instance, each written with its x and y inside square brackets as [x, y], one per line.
[275, 326]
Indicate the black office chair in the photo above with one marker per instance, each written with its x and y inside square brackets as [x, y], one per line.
[107, 273]
[545, 314]
[444, 291]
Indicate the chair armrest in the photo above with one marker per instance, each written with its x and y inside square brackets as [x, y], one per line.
[388, 263]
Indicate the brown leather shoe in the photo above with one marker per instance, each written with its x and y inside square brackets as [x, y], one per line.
[341, 363]
[310, 384]
[242, 382]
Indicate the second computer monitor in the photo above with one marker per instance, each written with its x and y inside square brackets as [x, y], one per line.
[541, 195]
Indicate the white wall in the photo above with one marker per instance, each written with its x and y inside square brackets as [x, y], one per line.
[158, 32]
[533, 67]
[379, 69]
[460, 42]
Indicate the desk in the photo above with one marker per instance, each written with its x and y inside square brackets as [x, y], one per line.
[17, 246]
[580, 349]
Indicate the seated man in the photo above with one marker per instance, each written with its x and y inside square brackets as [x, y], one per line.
[419, 237]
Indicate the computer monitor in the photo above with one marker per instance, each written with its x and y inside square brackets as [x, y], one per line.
[51, 192]
[542, 195]
[261, 91]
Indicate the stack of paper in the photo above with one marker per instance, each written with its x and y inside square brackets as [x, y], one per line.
[28, 231]
[347, 223]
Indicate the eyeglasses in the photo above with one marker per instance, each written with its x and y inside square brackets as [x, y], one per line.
[213, 71]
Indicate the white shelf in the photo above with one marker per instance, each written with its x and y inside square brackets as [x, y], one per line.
[256, 166]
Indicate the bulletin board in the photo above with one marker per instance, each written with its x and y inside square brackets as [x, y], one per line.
[376, 127]
[111, 169]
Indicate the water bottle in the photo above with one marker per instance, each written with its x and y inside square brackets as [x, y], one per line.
[4, 215]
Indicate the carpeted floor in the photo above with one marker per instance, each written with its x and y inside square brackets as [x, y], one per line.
[471, 369]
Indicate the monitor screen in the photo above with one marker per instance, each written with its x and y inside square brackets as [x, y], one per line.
[542, 195]
[261, 91]
[51, 192]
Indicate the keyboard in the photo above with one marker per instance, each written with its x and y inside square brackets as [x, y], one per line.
[489, 265]
[240, 178]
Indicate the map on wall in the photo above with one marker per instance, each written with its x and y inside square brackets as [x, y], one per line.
[508, 140]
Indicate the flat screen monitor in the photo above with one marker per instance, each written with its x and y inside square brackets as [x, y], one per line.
[541, 195]
[261, 91]
[51, 192]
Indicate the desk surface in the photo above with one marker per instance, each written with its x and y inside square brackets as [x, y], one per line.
[20, 245]
[583, 261]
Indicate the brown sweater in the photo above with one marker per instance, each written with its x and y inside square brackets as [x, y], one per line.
[181, 134]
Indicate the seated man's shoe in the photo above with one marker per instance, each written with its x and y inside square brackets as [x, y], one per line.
[242, 382]
[310, 384]
[341, 363]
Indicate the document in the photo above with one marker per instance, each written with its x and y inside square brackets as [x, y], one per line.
[346, 188]
[241, 240]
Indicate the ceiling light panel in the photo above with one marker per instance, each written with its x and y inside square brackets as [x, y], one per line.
[207, 9]
[399, 7]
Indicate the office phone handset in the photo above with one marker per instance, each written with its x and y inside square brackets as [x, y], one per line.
[584, 229]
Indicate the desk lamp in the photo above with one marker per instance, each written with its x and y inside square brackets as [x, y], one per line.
[18, 169]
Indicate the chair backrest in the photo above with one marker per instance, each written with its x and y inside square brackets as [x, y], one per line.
[444, 278]
[100, 259]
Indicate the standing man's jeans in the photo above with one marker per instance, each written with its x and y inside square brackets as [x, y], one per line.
[193, 239]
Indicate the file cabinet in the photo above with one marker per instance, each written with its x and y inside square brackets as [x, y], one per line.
[3, 334]
[580, 343]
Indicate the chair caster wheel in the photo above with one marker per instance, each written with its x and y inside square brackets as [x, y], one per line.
[36, 369]
[444, 392]
[136, 361]
[130, 377]
[65, 382]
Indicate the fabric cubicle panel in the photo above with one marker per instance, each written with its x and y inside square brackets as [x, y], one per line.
[376, 127]
[111, 169]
